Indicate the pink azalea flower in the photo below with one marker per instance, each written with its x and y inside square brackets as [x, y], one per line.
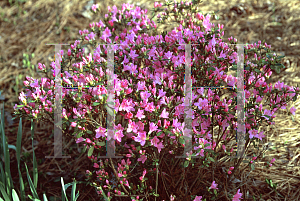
[198, 198]
[110, 134]
[213, 41]
[132, 54]
[129, 115]
[260, 135]
[206, 23]
[293, 110]
[258, 99]
[222, 55]
[252, 133]
[150, 107]
[141, 85]
[176, 124]
[100, 132]
[143, 158]
[94, 7]
[96, 165]
[145, 95]
[213, 185]
[268, 113]
[237, 196]
[153, 127]
[164, 114]
[73, 124]
[168, 55]
[35, 84]
[119, 135]
[132, 126]
[106, 33]
[78, 140]
[186, 132]
[154, 141]
[140, 114]
[141, 137]
[161, 93]
[160, 146]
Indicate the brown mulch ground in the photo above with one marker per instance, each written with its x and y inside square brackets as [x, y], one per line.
[58, 21]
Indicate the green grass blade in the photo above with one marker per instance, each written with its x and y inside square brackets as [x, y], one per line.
[15, 195]
[45, 197]
[10, 146]
[2, 179]
[8, 185]
[77, 195]
[73, 193]
[64, 195]
[19, 140]
[18, 152]
[34, 193]
[4, 194]
[35, 170]
[22, 187]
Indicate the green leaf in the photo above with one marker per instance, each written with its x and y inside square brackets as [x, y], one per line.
[79, 134]
[7, 179]
[10, 146]
[96, 103]
[210, 158]
[4, 194]
[89, 132]
[35, 171]
[18, 152]
[15, 195]
[181, 140]
[280, 57]
[63, 190]
[44, 197]
[256, 70]
[34, 193]
[91, 150]
[101, 144]
[252, 167]
[186, 163]
[268, 182]
[207, 145]
[73, 191]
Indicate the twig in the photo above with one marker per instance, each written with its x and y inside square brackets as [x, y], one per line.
[156, 177]
[117, 176]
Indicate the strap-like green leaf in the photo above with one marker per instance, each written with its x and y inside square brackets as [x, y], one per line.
[45, 198]
[35, 170]
[64, 195]
[34, 193]
[8, 183]
[15, 195]
[4, 194]
[18, 152]
[73, 191]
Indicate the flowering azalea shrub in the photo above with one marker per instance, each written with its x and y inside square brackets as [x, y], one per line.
[149, 84]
